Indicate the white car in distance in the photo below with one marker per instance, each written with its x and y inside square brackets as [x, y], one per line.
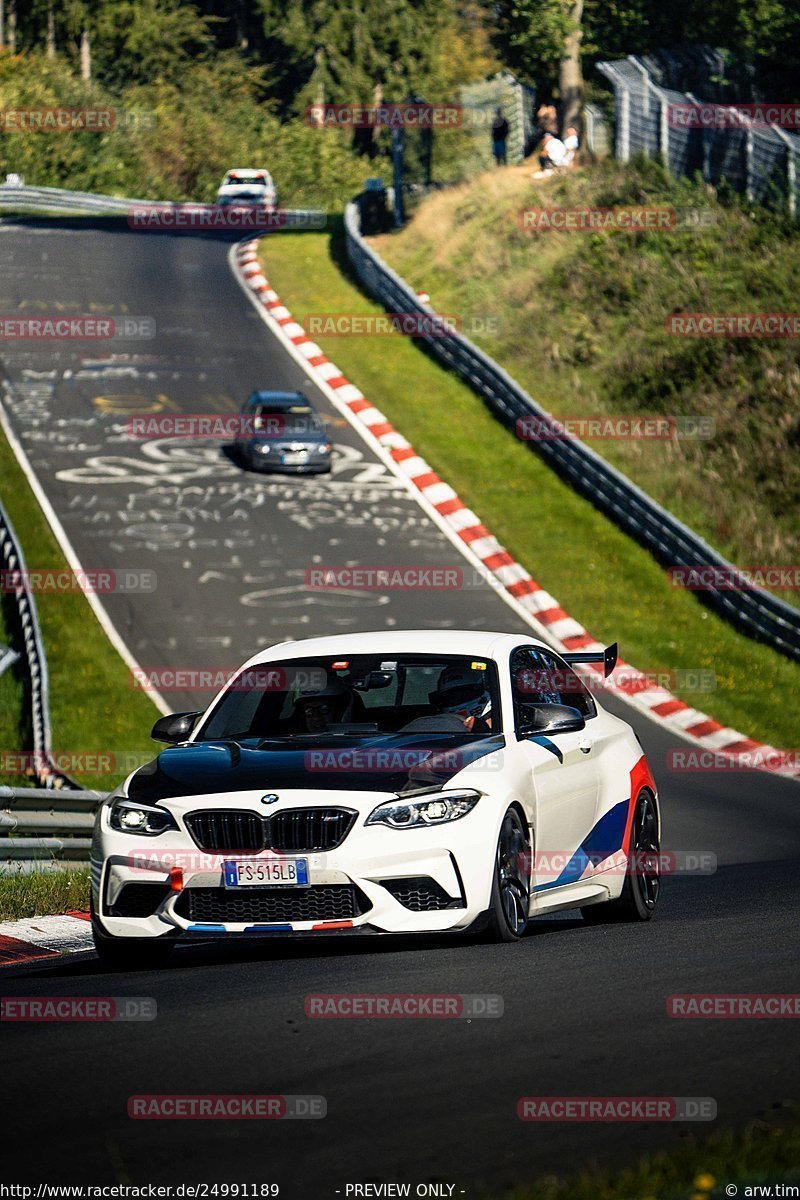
[248, 185]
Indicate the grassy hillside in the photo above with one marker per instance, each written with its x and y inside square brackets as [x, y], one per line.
[582, 326]
[602, 577]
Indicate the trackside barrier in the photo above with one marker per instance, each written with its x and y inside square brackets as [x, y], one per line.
[759, 161]
[755, 611]
[44, 199]
[41, 831]
[12, 559]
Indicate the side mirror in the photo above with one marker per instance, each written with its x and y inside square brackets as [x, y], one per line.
[548, 719]
[175, 727]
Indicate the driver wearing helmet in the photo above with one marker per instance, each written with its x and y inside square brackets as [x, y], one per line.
[463, 692]
[315, 711]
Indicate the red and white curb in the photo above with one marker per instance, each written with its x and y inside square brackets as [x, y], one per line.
[44, 937]
[465, 529]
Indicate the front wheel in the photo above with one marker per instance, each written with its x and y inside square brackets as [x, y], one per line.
[510, 888]
[642, 887]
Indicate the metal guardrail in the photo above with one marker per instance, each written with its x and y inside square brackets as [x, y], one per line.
[757, 612]
[43, 830]
[38, 199]
[12, 559]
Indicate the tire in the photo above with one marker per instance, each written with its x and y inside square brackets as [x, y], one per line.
[642, 885]
[130, 954]
[508, 912]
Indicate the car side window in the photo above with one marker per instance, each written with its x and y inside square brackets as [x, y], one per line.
[539, 678]
[574, 691]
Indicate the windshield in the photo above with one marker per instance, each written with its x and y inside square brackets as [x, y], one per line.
[277, 422]
[318, 699]
[245, 177]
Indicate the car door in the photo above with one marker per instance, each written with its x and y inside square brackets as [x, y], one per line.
[564, 777]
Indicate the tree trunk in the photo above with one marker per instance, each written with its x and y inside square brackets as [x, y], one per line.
[51, 32]
[12, 26]
[2, 23]
[86, 57]
[570, 74]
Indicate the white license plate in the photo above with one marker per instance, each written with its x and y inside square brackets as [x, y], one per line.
[284, 872]
[298, 456]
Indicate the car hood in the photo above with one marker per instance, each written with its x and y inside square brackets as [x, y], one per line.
[312, 438]
[386, 764]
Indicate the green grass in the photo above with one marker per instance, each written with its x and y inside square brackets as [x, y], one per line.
[93, 707]
[40, 893]
[768, 1152]
[582, 327]
[14, 718]
[602, 578]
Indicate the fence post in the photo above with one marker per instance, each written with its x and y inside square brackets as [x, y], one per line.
[588, 117]
[791, 181]
[624, 127]
[791, 170]
[748, 164]
[663, 131]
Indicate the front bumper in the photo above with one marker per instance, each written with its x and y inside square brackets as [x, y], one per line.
[347, 893]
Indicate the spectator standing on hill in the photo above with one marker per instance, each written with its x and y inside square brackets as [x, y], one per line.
[499, 137]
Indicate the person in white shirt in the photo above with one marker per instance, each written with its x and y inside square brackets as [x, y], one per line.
[571, 144]
[553, 153]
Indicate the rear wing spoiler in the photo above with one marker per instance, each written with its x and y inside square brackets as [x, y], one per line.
[607, 657]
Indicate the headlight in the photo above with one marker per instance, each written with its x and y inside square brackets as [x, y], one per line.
[129, 817]
[325, 448]
[429, 810]
[263, 448]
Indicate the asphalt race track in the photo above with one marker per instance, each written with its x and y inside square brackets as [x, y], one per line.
[409, 1101]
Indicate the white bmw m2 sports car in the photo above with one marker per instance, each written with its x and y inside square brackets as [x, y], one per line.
[402, 782]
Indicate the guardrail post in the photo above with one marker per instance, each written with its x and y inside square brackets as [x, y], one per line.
[748, 164]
